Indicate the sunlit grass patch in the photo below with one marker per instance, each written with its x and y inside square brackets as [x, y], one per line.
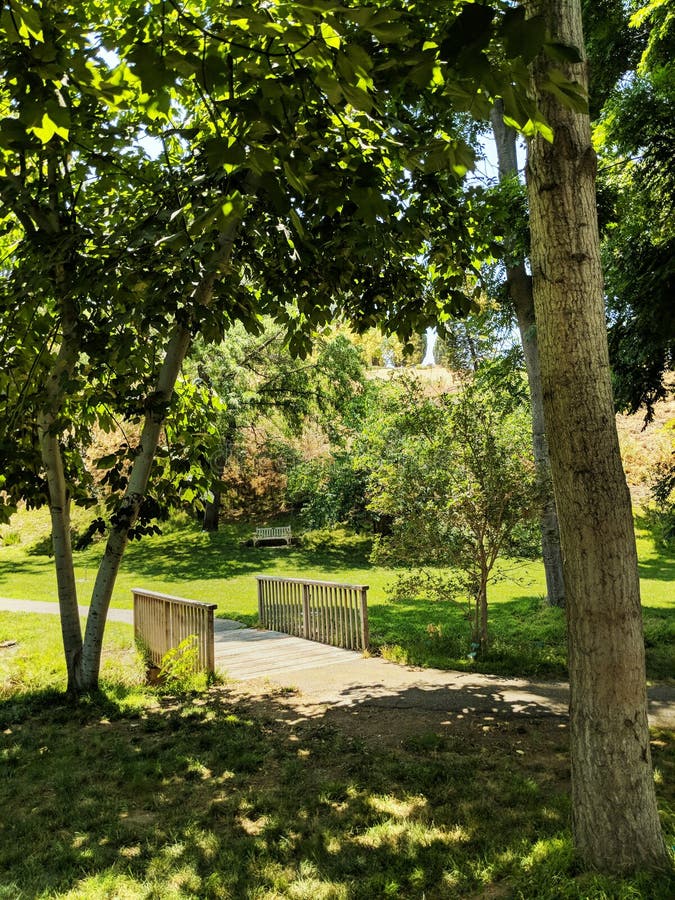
[36, 664]
[399, 808]
[109, 885]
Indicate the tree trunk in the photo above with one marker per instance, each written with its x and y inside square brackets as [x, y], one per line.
[59, 502]
[127, 514]
[211, 513]
[615, 819]
[49, 430]
[519, 286]
[59, 510]
[483, 605]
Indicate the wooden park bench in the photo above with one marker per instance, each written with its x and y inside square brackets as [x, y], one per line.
[278, 533]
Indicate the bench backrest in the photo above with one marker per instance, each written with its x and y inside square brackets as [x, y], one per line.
[280, 531]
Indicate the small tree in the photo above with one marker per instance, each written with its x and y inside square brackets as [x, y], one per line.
[457, 480]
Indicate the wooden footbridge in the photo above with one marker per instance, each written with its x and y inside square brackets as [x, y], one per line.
[305, 624]
[322, 673]
[247, 653]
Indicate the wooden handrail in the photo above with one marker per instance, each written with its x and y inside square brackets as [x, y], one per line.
[162, 621]
[338, 584]
[330, 612]
[182, 600]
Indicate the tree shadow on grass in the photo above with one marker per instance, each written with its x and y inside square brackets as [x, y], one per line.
[527, 636]
[235, 796]
[659, 631]
[8, 568]
[661, 569]
[191, 554]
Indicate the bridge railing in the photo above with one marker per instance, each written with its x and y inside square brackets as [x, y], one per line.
[161, 622]
[325, 611]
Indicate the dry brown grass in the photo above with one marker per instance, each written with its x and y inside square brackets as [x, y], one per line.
[643, 447]
[434, 379]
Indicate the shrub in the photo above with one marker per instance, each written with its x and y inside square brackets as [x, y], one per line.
[661, 515]
[418, 584]
[329, 491]
[178, 671]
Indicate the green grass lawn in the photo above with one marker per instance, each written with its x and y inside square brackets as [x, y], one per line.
[528, 638]
[143, 796]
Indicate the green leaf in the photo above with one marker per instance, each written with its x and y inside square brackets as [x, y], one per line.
[297, 223]
[389, 32]
[359, 58]
[330, 35]
[12, 133]
[262, 160]
[29, 20]
[218, 214]
[177, 241]
[47, 129]
[358, 98]
[275, 193]
[329, 85]
[523, 37]
[148, 65]
[294, 179]
[568, 93]
[471, 29]
[538, 127]
[105, 462]
[60, 115]
[220, 153]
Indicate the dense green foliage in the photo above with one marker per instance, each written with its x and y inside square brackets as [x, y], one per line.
[267, 133]
[635, 136]
[266, 400]
[280, 180]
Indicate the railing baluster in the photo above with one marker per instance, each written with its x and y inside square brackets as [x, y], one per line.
[326, 611]
[348, 617]
[331, 636]
[162, 622]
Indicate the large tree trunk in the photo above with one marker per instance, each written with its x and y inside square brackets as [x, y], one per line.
[615, 819]
[212, 512]
[519, 286]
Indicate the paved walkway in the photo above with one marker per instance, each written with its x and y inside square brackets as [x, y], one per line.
[335, 677]
[43, 607]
